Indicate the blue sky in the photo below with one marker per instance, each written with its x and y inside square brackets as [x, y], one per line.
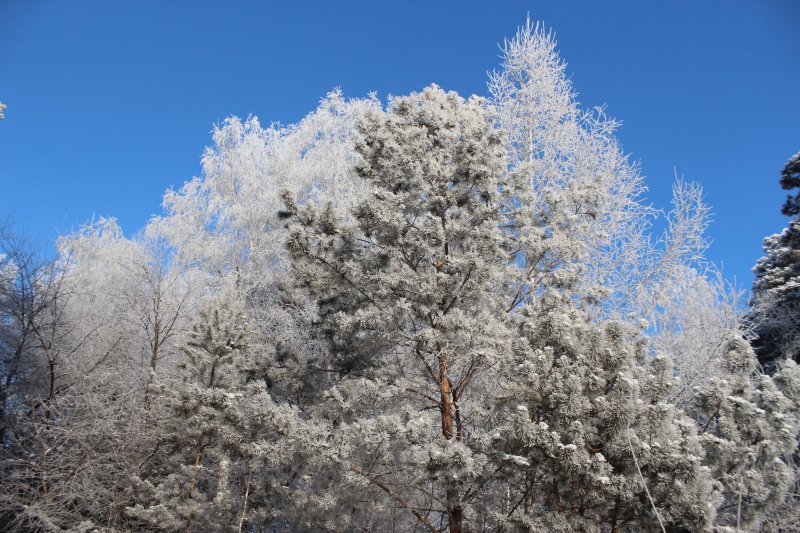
[110, 103]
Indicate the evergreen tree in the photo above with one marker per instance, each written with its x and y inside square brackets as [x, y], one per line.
[748, 424]
[588, 438]
[790, 179]
[201, 430]
[775, 307]
[774, 316]
[411, 294]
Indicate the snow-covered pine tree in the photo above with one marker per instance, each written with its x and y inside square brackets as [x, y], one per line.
[587, 439]
[774, 317]
[188, 489]
[546, 418]
[776, 289]
[748, 427]
[410, 296]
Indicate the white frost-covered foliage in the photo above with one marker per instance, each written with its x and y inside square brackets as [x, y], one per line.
[591, 417]
[411, 295]
[62, 396]
[749, 427]
[225, 222]
[586, 222]
[224, 228]
[696, 315]
[588, 227]
[202, 427]
[444, 314]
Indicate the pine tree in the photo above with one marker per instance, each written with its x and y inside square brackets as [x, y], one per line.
[774, 316]
[748, 424]
[588, 437]
[202, 428]
[547, 418]
[410, 295]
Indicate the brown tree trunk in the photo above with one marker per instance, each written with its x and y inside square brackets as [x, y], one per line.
[454, 510]
[451, 429]
[448, 410]
[198, 458]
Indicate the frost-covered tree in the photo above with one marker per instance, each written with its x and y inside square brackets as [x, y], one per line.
[587, 223]
[222, 228]
[588, 438]
[773, 316]
[747, 422]
[776, 289]
[224, 223]
[201, 427]
[65, 453]
[30, 290]
[89, 424]
[228, 456]
[749, 429]
[410, 294]
[584, 216]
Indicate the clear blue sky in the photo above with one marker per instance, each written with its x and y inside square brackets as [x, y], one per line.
[110, 103]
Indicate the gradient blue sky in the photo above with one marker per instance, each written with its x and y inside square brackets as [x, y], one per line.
[111, 102]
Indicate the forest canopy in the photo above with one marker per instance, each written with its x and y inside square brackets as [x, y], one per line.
[437, 313]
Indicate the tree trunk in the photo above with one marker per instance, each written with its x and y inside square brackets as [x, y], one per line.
[153, 362]
[451, 429]
[454, 510]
